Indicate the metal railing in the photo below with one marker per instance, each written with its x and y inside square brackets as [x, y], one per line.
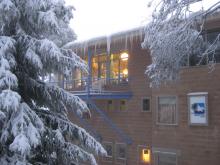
[96, 83]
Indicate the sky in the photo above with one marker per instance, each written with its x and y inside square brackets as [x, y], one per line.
[93, 18]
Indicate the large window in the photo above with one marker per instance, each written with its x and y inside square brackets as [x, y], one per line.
[99, 67]
[119, 67]
[167, 110]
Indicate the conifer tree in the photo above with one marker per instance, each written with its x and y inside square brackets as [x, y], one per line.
[34, 127]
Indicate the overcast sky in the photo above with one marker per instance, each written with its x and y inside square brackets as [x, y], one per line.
[94, 18]
[102, 17]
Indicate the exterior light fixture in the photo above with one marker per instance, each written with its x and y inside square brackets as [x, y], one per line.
[146, 156]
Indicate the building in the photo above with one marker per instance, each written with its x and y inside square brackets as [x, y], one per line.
[177, 124]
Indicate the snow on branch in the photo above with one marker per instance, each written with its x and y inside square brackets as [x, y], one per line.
[47, 57]
[32, 33]
[173, 36]
[55, 97]
[65, 128]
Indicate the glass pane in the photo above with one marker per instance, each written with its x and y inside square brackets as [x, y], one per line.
[123, 105]
[95, 67]
[99, 66]
[166, 159]
[108, 148]
[121, 151]
[167, 110]
[114, 66]
[124, 67]
[146, 104]
[110, 105]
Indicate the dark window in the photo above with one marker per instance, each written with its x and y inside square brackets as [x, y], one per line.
[165, 158]
[110, 105]
[109, 149]
[121, 151]
[146, 104]
[123, 106]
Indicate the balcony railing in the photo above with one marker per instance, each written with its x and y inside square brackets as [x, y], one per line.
[97, 84]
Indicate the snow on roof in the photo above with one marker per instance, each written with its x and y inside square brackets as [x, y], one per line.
[105, 40]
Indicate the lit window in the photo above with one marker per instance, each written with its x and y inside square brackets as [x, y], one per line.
[119, 67]
[99, 66]
[121, 151]
[167, 110]
[146, 104]
[110, 105]
[145, 155]
[123, 105]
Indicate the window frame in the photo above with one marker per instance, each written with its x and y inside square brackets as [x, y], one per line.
[119, 79]
[108, 105]
[116, 153]
[157, 110]
[109, 143]
[126, 105]
[142, 107]
[141, 147]
[156, 151]
[108, 159]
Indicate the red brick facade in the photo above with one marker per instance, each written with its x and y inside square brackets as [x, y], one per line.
[193, 145]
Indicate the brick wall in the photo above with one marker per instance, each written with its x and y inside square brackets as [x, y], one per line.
[196, 145]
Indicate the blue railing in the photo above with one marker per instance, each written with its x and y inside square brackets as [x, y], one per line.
[82, 83]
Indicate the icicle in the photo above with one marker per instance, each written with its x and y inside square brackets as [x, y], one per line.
[131, 38]
[126, 42]
[95, 48]
[108, 44]
[141, 34]
[85, 47]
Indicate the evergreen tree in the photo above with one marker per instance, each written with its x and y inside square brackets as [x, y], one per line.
[34, 127]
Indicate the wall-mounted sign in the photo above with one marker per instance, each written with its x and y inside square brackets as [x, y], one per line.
[198, 108]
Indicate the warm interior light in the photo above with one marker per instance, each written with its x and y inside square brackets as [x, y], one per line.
[125, 72]
[146, 155]
[124, 56]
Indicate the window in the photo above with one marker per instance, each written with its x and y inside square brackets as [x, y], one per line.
[123, 105]
[165, 158]
[210, 39]
[110, 105]
[121, 151]
[109, 148]
[119, 67]
[99, 66]
[146, 104]
[167, 110]
[144, 155]
[68, 81]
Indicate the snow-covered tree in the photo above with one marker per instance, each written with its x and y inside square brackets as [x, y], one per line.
[175, 34]
[34, 127]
